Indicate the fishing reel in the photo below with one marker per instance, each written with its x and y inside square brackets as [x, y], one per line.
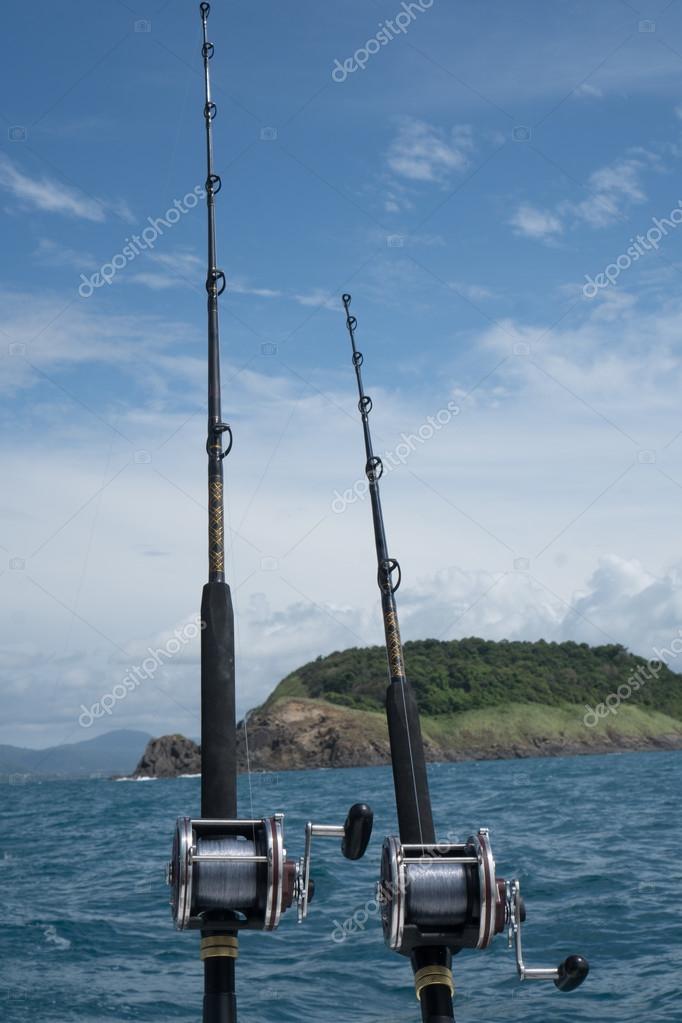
[449, 894]
[237, 871]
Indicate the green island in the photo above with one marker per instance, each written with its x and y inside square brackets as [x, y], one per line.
[478, 699]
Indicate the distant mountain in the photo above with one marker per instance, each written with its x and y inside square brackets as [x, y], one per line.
[115, 752]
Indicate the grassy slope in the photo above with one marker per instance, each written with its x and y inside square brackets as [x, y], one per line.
[521, 724]
[524, 728]
[475, 693]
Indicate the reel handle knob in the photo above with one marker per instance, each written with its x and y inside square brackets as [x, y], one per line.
[572, 972]
[357, 831]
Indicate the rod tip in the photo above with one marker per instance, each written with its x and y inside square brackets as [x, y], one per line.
[205, 9]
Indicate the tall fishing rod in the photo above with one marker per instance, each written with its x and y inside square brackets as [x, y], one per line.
[228, 873]
[437, 898]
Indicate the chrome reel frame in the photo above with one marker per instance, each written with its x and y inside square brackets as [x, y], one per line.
[278, 882]
[269, 860]
[484, 914]
[491, 904]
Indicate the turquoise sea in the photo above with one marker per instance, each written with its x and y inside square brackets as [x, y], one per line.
[87, 934]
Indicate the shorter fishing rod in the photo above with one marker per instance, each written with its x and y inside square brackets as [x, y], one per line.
[225, 873]
[437, 898]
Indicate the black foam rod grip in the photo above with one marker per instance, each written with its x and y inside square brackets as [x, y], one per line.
[357, 831]
[410, 778]
[218, 725]
[572, 973]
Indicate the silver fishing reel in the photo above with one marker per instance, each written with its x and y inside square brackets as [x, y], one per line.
[238, 871]
[440, 894]
[449, 894]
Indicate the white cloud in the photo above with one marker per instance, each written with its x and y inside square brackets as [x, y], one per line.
[51, 196]
[474, 292]
[585, 89]
[53, 332]
[422, 152]
[319, 298]
[52, 253]
[532, 461]
[536, 223]
[167, 269]
[238, 286]
[611, 189]
[620, 603]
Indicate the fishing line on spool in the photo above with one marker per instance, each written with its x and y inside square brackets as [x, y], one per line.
[217, 888]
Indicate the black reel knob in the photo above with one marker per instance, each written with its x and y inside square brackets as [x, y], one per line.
[357, 831]
[572, 972]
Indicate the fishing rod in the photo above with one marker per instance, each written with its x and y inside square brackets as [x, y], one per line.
[227, 873]
[436, 898]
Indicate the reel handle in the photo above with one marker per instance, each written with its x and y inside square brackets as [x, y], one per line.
[354, 834]
[572, 972]
[568, 976]
[357, 831]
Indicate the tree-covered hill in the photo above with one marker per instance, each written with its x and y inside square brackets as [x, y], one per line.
[472, 674]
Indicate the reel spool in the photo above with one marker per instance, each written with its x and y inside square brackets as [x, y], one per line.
[440, 894]
[236, 868]
[237, 871]
[449, 894]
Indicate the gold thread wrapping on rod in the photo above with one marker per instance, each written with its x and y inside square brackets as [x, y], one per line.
[219, 945]
[394, 645]
[216, 529]
[429, 975]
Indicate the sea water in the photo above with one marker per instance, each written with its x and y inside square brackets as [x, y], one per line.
[87, 934]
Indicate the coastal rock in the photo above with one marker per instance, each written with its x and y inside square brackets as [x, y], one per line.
[301, 733]
[168, 757]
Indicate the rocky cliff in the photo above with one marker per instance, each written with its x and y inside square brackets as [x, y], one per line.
[298, 733]
[168, 757]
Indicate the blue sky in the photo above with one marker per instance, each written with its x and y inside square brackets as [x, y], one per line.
[464, 185]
